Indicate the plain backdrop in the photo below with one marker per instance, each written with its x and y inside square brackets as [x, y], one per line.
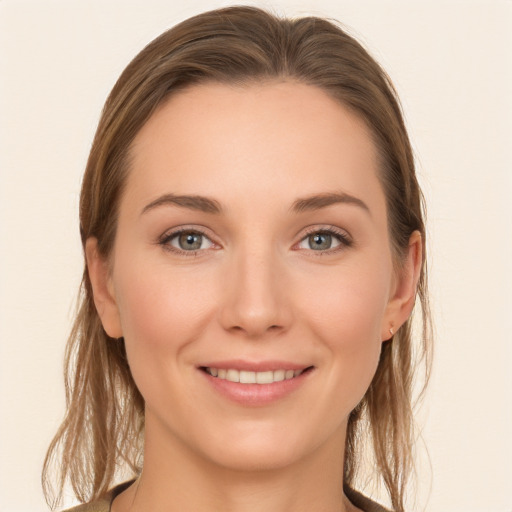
[452, 65]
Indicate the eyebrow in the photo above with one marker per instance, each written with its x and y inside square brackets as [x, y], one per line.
[208, 205]
[318, 201]
[199, 203]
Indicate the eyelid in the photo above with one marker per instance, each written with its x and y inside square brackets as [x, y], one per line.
[171, 233]
[341, 235]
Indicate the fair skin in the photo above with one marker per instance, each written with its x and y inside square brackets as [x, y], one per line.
[284, 263]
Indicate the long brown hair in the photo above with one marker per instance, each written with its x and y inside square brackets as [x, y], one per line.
[104, 423]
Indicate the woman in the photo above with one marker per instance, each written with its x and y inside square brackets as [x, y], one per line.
[254, 244]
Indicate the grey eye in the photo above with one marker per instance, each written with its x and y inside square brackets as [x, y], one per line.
[320, 241]
[190, 241]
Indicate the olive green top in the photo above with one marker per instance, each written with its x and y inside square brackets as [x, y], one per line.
[103, 504]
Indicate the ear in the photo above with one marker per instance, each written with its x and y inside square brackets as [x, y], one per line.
[103, 290]
[401, 302]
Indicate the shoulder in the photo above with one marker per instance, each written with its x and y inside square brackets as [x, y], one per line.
[102, 505]
[362, 502]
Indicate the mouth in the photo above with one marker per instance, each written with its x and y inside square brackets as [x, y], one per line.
[253, 377]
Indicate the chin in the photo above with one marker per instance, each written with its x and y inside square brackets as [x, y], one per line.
[255, 447]
[244, 457]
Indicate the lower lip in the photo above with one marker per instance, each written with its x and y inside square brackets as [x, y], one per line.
[256, 394]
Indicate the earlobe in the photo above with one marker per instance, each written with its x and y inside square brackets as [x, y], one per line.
[402, 301]
[103, 293]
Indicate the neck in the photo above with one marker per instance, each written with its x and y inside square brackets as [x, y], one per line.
[176, 478]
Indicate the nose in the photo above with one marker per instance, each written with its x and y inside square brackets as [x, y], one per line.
[254, 298]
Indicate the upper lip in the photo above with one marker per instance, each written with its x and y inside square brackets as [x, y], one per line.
[255, 366]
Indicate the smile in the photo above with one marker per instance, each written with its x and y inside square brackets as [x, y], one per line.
[255, 384]
[249, 377]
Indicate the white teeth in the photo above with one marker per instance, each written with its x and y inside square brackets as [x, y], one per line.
[233, 375]
[279, 375]
[264, 377]
[247, 377]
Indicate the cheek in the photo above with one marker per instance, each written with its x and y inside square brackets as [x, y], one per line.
[346, 312]
[162, 311]
[158, 303]
[349, 305]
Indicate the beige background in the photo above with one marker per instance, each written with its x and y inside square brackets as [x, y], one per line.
[452, 64]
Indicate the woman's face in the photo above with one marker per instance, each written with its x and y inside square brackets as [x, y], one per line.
[252, 244]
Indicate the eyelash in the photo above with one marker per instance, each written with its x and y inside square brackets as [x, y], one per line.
[166, 238]
[345, 241]
[343, 238]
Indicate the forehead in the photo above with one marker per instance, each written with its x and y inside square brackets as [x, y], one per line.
[283, 138]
